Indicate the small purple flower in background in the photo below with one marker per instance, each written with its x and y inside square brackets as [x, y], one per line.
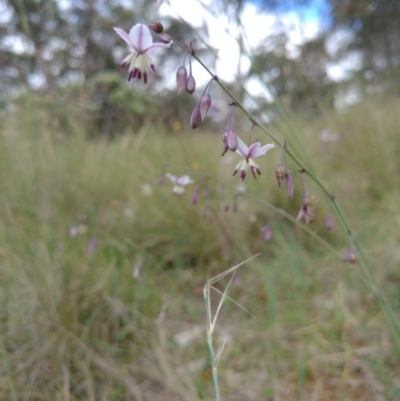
[289, 184]
[78, 229]
[195, 196]
[266, 233]
[141, 43]
[248, 153]
[179, 183]
[282, 172]
[329, 223]
[306, 210]
[349, 256]
[92, 246]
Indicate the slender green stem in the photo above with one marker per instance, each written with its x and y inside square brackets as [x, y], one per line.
[210, 327]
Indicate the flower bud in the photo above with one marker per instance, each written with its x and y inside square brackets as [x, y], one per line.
[280, 173]
[231, 139]
[289, 184]
[190, 84]
[329, 223]
[195, 196]
[350, 256]
[156, 27]
[181, 76]
[195, 118]
[205, 103]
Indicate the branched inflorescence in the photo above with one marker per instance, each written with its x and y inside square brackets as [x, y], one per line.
[140, 64]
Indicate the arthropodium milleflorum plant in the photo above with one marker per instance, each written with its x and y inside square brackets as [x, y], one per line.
[140, 64]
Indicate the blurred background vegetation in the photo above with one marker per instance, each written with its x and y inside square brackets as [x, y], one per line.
[102, 269]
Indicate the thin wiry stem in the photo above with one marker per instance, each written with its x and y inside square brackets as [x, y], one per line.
[211, 321]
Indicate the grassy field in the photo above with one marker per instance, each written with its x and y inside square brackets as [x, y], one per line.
[102, 269]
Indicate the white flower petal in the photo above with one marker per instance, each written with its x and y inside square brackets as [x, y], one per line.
[184, 180]
[253, 149]
[157, 46]
[264, 149]
[140, 37]
[242, 148]
[125, 37]
[172, 178]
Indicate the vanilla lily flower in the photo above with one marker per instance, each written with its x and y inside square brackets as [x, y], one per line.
[141, 43]
[248, 153]
[179, 183]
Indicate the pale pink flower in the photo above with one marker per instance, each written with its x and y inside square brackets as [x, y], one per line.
[179, 183]
[141, 44]
[266, 233]
[248, 153]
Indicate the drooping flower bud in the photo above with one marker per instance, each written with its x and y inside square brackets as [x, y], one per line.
[195, 196]
[349, 256]
[289, 184]
[195, 118]
[306, 210]
[205, 100]
[205, 103]
[190, 84]
[181, 77]
[231, 139]
[329, 223]
[280, 174]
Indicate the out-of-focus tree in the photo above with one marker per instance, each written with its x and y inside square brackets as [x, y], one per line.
[375, 29]
[46, 45]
